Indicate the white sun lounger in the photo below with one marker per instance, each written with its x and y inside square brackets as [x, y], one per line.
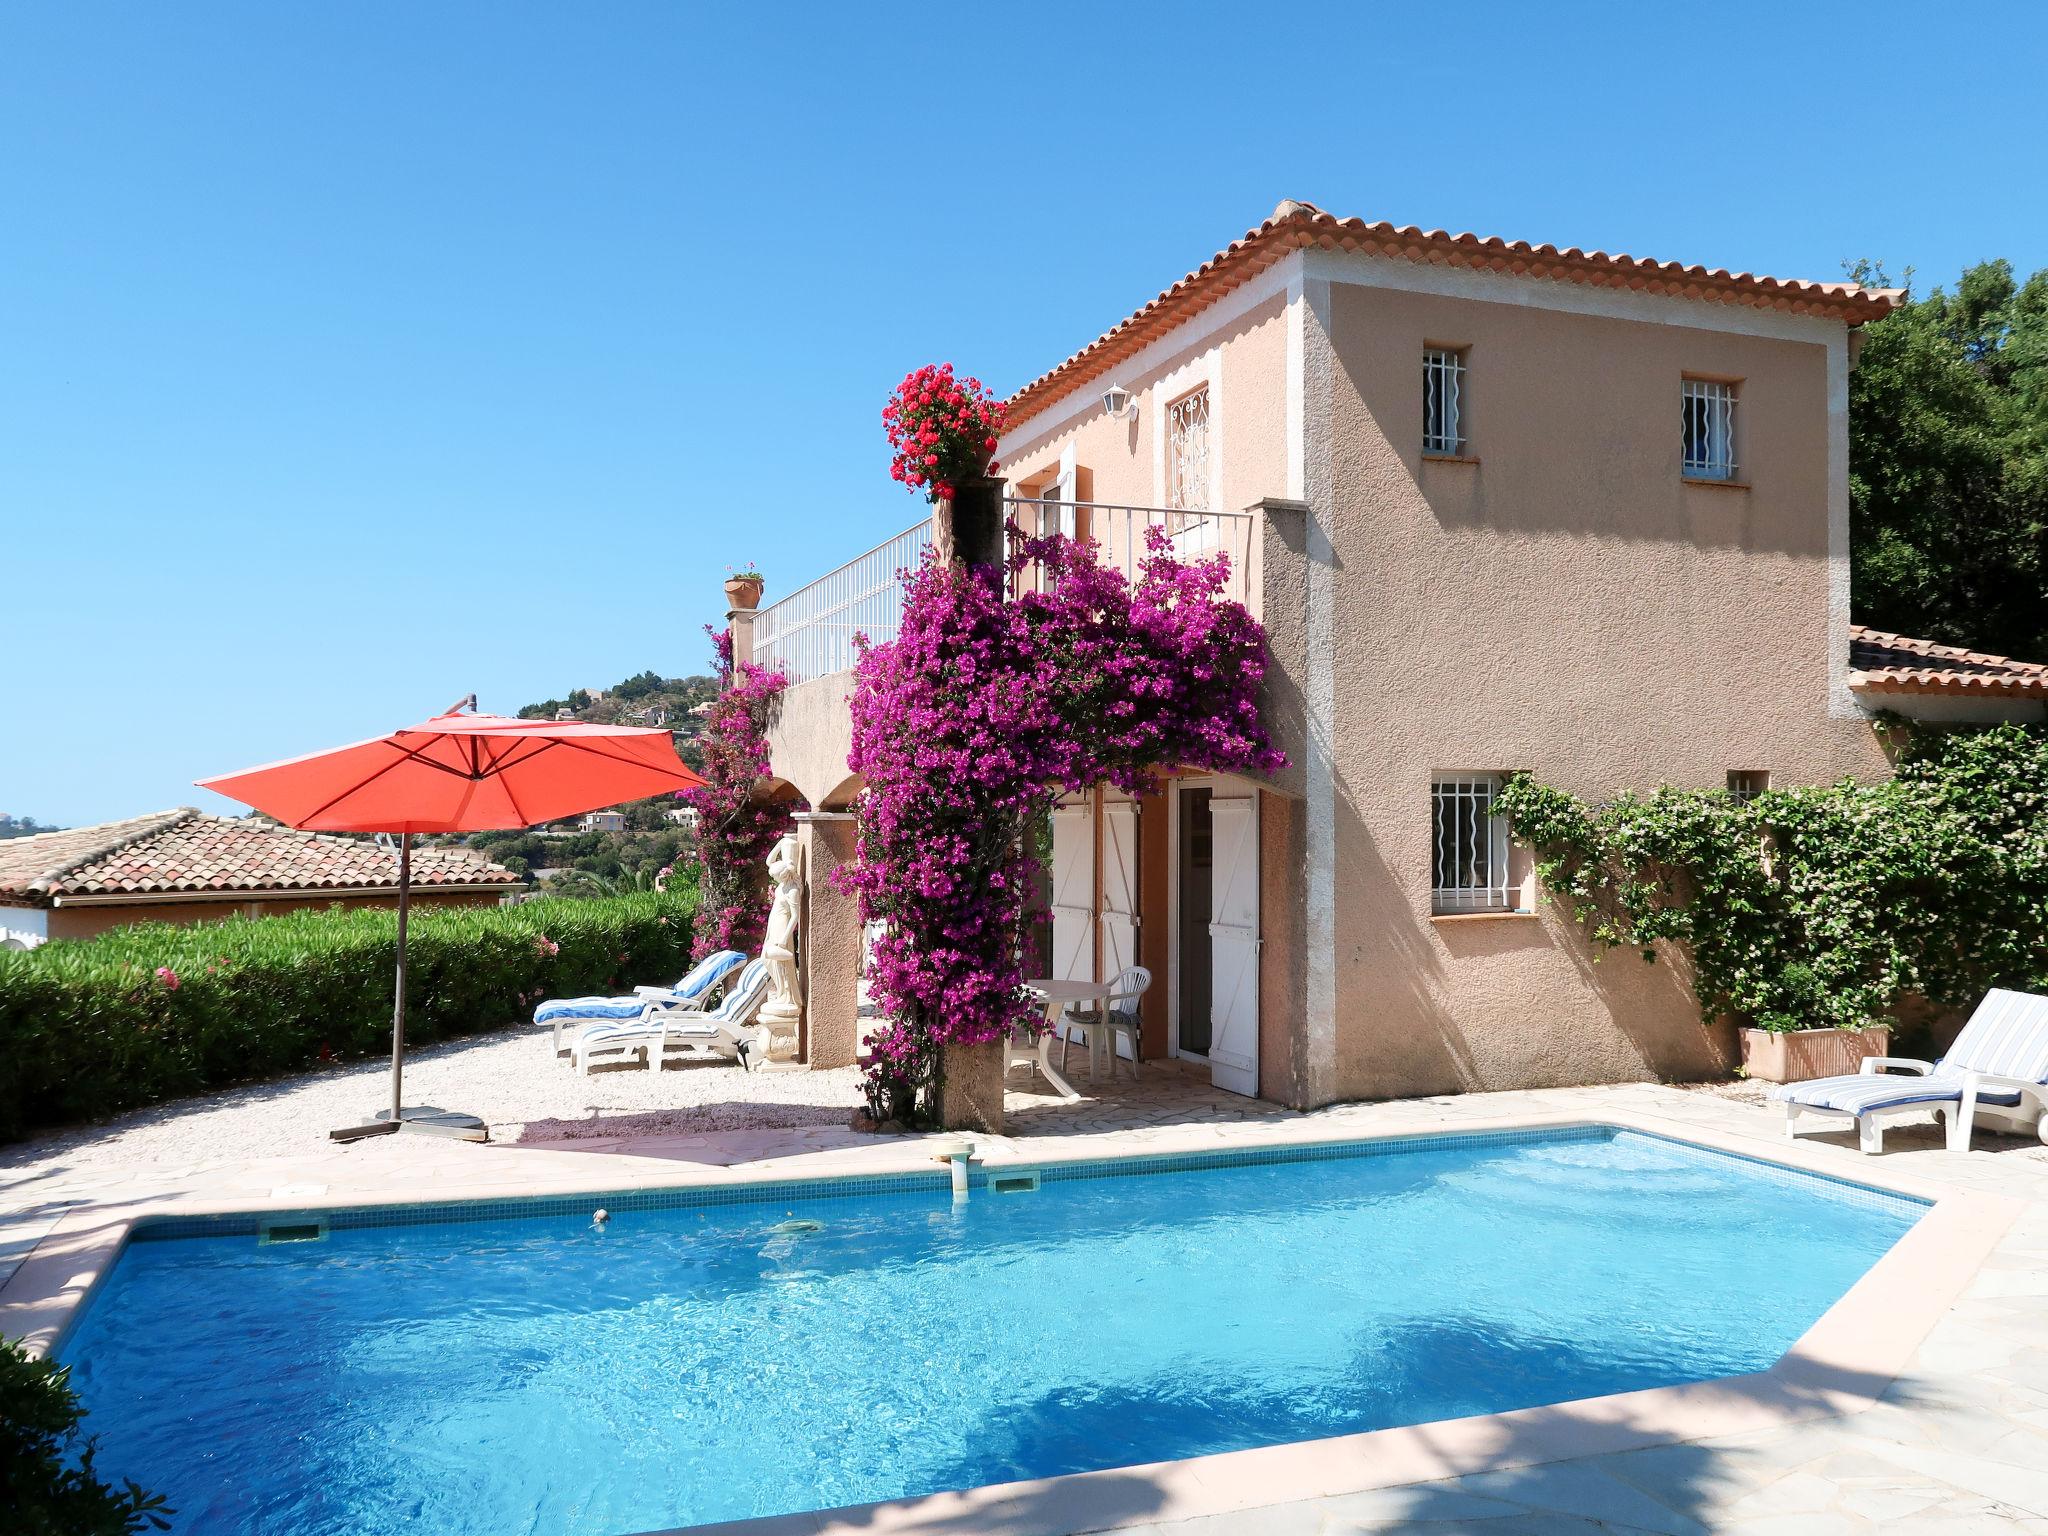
[687, 996]
[727, 1032]
[1994, 1074]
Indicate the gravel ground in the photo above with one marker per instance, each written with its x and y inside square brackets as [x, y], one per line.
[1738, 1090]
[510, 1079]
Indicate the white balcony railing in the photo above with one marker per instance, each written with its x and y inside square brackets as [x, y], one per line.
[809, 634]
[1118, 534]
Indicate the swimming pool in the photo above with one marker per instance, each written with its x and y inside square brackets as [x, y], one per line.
[713, 1354]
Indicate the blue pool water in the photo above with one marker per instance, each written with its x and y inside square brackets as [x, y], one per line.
[529, 1374]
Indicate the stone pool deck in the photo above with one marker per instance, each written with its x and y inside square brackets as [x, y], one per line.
[1957, 1442]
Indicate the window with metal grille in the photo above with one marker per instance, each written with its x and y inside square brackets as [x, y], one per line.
[1709, 417]
[1443, 400]
[1469, 845]
[1746, 784]
[1187, 452]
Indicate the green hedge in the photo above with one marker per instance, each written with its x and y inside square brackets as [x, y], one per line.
[49, 1485]
[1824, 905]
[91, 1027]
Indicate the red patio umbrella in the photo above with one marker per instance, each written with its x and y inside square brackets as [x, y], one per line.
[458, 772]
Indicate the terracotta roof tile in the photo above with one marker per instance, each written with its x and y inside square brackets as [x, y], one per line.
[1887, 663]
[1296, 226]
[183, 851]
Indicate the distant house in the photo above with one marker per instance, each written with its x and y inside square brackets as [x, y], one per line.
[605, 821]
[182, 866]
[565, 713]
[701, 710]
[685, 817]
[1925, 681]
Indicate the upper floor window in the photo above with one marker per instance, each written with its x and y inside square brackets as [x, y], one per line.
[1443, 400]
[1469, 845]
[1187, 452]
[1709, 418]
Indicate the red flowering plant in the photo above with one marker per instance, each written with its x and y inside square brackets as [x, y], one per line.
[943, 430]
[735, 827]
[974, 720]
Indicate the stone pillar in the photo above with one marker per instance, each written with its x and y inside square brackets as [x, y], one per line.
[970, 1096]
[969, 528]
[830, 1036]
[741, 622]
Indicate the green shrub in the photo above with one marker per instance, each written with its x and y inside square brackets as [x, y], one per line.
[153, 1011]
[48, 1484]
[1812, 907]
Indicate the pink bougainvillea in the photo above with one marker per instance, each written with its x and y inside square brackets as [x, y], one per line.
[943, 430]
[736, 827]
[982, 711]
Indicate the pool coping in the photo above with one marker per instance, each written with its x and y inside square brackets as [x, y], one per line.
[1840, 1366]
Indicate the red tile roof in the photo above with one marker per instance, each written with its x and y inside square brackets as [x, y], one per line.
[1887, 663]
[185, 852]
[1295, 226]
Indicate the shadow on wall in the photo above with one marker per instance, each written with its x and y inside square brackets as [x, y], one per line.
[1400, 975]
[1390, 981]
[1651, 1003]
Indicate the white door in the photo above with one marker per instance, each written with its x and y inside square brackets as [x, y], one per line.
[1056, 516]
[1073, 892]
[1119, 920]
[1234, 945]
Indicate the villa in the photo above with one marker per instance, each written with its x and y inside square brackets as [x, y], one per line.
[1474, 1263]
[1499, 507]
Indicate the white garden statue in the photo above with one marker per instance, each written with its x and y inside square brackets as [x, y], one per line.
[785, 1006]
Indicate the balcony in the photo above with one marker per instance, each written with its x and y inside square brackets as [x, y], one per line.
[810, 633]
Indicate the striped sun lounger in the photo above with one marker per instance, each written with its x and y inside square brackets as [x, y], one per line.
[1995, 1073]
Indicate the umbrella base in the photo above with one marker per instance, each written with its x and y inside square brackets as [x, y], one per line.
[426, 1120]
[358, 1132]
[422, 1119]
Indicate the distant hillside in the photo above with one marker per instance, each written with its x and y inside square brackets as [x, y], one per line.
[591, 862]
[645, 699]
[24, 826]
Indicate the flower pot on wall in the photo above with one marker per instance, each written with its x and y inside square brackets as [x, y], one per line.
[1794, 1056]
[743, 592]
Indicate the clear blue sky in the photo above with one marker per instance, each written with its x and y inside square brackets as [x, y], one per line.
[353, 357]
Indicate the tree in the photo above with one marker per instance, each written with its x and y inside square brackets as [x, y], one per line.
[1948, 464]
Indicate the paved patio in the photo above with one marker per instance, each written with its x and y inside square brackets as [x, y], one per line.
[1957, 1443]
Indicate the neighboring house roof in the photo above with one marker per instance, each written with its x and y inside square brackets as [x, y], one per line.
[1295, 226]
[1887, 663]
[184, 853]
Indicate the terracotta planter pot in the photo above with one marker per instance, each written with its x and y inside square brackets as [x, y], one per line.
[743, 592]
[1797, 1055]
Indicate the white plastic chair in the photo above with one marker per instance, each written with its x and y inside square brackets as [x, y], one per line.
[1116, 1013]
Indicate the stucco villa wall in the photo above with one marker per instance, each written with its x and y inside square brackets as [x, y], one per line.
[1243, 357]
[1569, 606]
[84, 922]
[809, 739]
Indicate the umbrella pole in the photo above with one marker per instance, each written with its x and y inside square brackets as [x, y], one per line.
[398, 1007]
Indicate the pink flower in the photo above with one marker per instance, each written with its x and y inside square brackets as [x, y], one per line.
[168, 977]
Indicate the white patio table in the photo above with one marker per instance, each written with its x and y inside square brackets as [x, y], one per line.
[1056, 994]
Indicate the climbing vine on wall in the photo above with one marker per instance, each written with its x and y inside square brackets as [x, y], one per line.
[967, 726]
[735, 826]
[1815, 907]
